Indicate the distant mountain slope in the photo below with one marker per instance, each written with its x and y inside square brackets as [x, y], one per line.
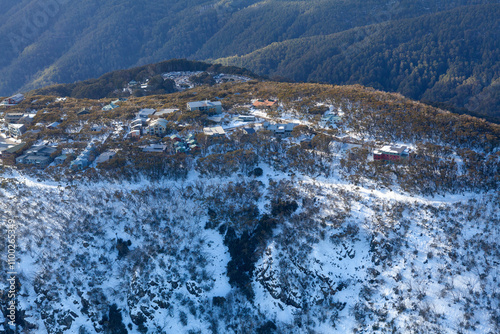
[451, 57]
[57, 41]
[274, 21]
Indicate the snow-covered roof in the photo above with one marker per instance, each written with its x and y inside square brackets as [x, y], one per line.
[199, 104]
[392, 149]
[216, 130]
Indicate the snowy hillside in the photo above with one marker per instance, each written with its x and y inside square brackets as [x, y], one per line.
[251, 207]
[153, 257]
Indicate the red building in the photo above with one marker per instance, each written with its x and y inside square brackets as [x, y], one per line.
[18, 98]
[391, 153]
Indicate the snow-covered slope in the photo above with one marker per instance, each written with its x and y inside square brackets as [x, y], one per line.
[156, 257]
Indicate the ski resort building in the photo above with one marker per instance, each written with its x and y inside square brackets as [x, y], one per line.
[214, 131]
[9, 155]
[84, 159]
[391, 153]
[280, 130]
[205, 106]
[39, 156]
[16, 130]
[13, 100]
[157, 127]
[13, 117]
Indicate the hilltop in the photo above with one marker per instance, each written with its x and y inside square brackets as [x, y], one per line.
[270, 215]
[159, 78]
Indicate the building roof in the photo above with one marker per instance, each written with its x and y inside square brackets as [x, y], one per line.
[36, 158]
[27, 118]
[53, 125]
[83, 111]
[16, 126]
[199, 104]
[216, 130]
[330, 117]
[105, 156]
[41, 150]
[146, 112]
[138, 121]
[216, 119]
[166, 111]
[264, 103]
[245, 118]
[391, 149]
[154, 148]
[4, 146]
[160, 121]
[110, 106]
[15, 149]
[249, 130]
[17, 96]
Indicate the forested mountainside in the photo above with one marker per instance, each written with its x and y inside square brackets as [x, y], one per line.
[59, 41]
[450, 58]
[253, 231]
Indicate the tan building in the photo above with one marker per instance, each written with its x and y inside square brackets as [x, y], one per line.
[157, 127]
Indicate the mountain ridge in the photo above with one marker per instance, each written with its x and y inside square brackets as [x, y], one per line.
[114, 35]
[341, 59]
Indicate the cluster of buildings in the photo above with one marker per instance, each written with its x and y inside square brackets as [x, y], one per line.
[145, 124]
[134, 85]
[150, 122]
[189, 144]
[17, 123]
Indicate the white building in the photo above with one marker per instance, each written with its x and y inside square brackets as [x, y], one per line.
[205, 106]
